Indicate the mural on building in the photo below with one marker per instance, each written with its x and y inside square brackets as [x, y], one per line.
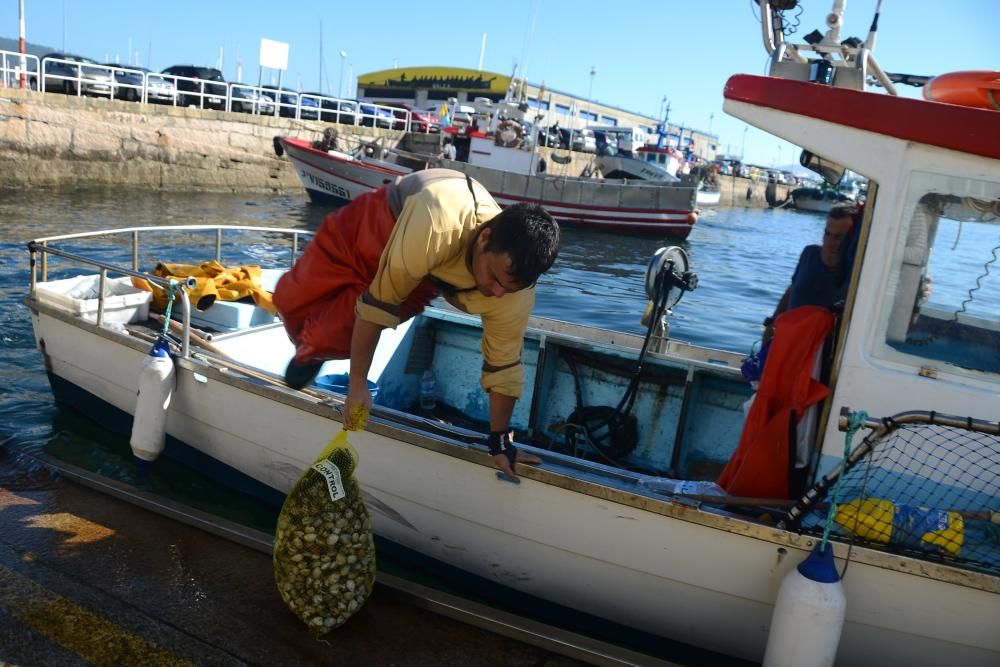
[436, 78]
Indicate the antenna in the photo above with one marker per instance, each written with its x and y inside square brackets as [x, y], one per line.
[870, 40]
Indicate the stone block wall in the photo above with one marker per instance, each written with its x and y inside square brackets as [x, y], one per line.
[62, 140]
[51, 140]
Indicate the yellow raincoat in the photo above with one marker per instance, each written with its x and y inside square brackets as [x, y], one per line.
[214, 281]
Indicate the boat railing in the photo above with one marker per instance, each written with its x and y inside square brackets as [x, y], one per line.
[40, 249]
[853, 54]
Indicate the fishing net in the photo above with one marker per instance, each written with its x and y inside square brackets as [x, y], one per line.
[925, 489]
[324, 551]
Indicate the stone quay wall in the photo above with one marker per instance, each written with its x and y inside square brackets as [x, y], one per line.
[49, 140]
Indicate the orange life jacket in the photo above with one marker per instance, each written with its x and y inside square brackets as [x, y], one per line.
[761, 464]
[316, 297]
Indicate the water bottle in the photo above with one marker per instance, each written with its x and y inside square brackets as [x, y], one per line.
[428, 390]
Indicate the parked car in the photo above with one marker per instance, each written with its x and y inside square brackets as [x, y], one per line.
[72, 75]
[606, 143]
[550, 137]
[158, 89]
[128, 82]
[582, 140]
[291, 104]
[585, 141]
[375, 116]
[725, 168]
[459, 115]
[201, 87]
[421, 120]
[334, 110]
[249, 99]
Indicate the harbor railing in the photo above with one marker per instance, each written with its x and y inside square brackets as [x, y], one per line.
[71, 76]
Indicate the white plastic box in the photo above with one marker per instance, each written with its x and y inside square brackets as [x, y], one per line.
[227, 316]
[78, 296]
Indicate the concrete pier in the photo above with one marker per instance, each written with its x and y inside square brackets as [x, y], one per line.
[86, 579]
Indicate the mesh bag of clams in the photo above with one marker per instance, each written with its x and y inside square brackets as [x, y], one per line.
[324, 551]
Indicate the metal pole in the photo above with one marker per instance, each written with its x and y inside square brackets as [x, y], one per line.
[340, 83]
[20, 43]
[590, 91]
[482, 52]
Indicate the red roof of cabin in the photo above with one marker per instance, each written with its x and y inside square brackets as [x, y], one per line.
[964, 129]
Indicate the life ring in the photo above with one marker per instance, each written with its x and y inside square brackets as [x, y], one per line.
[509, 134]
[974, 88]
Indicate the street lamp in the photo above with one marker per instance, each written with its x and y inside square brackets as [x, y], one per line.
[590, 91]
[22, 62]
[340, 84]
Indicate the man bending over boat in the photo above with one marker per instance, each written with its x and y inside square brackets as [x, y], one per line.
[382, 258]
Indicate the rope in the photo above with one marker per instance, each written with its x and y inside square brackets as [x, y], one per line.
[172, 290]
[856, 422]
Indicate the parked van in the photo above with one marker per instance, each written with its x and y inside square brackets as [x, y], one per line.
[630, 139]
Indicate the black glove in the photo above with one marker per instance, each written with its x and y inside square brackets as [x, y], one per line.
[501, 442]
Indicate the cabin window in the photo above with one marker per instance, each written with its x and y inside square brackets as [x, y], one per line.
[943, 305]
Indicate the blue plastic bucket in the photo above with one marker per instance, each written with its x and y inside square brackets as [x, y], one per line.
[339, 382]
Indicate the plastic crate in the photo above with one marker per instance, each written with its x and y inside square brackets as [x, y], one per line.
[78, 296]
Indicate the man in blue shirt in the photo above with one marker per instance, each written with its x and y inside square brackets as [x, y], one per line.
[819, 278]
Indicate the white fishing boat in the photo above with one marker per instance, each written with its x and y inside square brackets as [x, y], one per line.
[708, 196]
[603, 526]
[509, 169]
[626, 167]
[665, 157]
[820, 200]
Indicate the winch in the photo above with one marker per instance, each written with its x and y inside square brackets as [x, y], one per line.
[668, 276]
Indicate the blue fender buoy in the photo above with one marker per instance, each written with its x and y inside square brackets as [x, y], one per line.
[156, 387]
[808, 614]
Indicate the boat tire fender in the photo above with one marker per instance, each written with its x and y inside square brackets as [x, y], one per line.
[509, 134]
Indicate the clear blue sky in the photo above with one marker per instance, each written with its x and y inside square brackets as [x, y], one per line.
[641, 49]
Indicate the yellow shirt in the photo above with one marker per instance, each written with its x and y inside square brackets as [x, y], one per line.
[431, 237]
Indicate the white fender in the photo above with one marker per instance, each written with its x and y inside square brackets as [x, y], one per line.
[808, 614]
[156, 386]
